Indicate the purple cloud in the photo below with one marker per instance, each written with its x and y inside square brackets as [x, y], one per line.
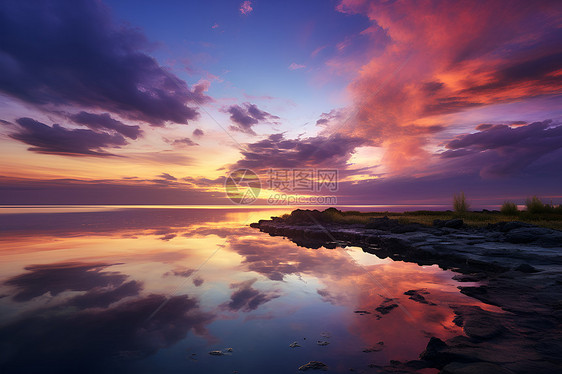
[198, 133]
[332, 115]
[85, 59]
[247, 298]
[104, 121]
[502, 150]
[277, 152]
[184, 142]
[62, 141]
[246, 116]
[56, 278]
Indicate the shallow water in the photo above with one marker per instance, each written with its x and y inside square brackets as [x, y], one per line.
[155, 290]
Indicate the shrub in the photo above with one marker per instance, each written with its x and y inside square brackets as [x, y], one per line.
[460, 204]
[509, 208]
[535, 205]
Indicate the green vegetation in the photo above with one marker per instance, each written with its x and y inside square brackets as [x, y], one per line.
[537, 213]
[460, 204]
[509, 208]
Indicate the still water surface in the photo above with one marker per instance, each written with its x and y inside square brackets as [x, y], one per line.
[155, 290]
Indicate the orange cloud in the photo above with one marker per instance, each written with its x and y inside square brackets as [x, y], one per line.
[447, 57]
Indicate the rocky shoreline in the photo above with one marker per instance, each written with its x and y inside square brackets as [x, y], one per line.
[518, 267]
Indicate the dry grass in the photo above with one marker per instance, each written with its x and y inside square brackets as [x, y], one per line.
[553, 221]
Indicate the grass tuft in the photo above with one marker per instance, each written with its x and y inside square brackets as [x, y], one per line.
[509, 208]
[460, 205]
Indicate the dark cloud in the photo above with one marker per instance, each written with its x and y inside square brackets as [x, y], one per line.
[167, 177]
[502, 150]
[277, 152]
[60, 53]
[62, 141]
[61, 339]
[484, 126]
[184, 142]
[198, 133]
[247, 298]
[185, 273]
[246, 116]
[103, 297]
[91, 332]
[537, 70]
[198, 281]
[104, 121]
[432, 87]
[57, 278]
[336, 115]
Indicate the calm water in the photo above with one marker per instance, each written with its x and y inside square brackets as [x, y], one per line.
[155, 290]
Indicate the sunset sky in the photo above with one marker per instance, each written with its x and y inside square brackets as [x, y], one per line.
[143, 102]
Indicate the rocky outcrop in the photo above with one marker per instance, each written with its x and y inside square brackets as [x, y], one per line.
[518, 267]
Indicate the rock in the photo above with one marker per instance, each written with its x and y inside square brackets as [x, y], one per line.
[434, 346]
[456, 223]
[474, 367]
[481, 326]
[228, 349]
[216, 353]
[362, 312]
[383, 223]
[386, 306]
[526, 268]
[294, 345]
[526, 234]
[322, 342]
[417, 296]
[376, 348]
[314, 365]
[508, 226]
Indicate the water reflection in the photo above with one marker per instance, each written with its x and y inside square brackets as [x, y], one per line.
[153, 290]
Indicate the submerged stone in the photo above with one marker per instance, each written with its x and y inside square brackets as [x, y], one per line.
[313, 365]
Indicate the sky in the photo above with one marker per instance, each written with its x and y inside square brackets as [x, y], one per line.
[138, 102]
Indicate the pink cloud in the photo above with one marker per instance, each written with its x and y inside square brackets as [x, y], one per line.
[295, 66]
[246, 7]
[215, 26]
[427, 66]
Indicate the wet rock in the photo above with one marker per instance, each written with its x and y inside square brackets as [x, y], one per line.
[376, 348]
[417, 296]
[469, 277]
[294, 345]
[322, 342]
[384, 223]
[526, 234]
[433, 350]
[386, 306]
[313, 365]
[456, 223]
[216, 353]
[482, 326]
[508, 226]
[474, 367]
